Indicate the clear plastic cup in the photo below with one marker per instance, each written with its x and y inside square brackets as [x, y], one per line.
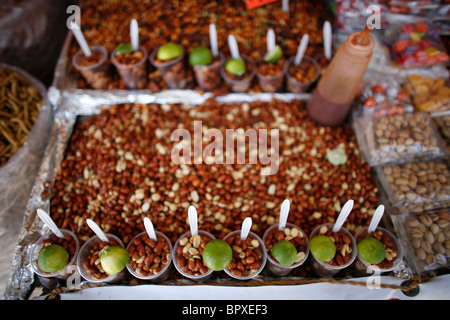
[365, 268]
[240, 85]
[84, 253]
[174, 72]
[295, 86]
[208, 76]
[133, 75]
[65, 272]
[272, 83]
[322, 62]
[261, 250]
[324, 269]
[163, 274]
[201, 277]
[98, 74]
[273, 265]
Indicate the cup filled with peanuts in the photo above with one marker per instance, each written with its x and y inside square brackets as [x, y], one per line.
[101, 261]
[249, 253]
[300, 78]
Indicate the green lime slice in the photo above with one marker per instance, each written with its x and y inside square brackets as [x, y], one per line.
[371, 250]
[123, 48]
[52, 258]
[323, 248]
[336, 157]
[217, 254]
[236, 66]
[274, 55]
[113, 259]
[169, 51]
[284, 252]
[200, 56]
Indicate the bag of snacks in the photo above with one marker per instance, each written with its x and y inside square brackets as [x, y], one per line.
[401, 138]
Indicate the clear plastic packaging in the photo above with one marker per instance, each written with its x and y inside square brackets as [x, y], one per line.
[443, 126]
[428, 94]
[163, 274]
[401, 138]
[425, 238]
[416, 186]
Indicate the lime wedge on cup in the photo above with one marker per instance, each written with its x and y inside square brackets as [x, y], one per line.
[235, 66]
[200, 56]
[323, 248]
[371, 250]
[217, 254]
[52, 258]
[169, 51]
[284, 252]
[123, 48]
[273, 55]
[114, 259]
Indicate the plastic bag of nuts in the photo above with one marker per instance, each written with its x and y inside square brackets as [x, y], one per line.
[417, 186]
[426, 236]
[402, 138]
[443, 126]
[187, 255]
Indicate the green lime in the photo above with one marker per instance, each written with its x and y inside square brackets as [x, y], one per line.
[52, 258]
[200, 56]
[371, 250]
[274, 55]
[236, 66]
[124, 48]
[284, 252]
[169, 51]
[336, 157]
[113, 259]
[323, 248]
[217, 254]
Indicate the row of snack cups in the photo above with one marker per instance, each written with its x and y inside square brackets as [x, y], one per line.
[175, 72]
[141, 247]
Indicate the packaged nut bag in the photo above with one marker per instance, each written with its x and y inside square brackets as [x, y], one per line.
[402, 138]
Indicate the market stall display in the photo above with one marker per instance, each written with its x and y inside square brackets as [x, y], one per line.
[110, 161]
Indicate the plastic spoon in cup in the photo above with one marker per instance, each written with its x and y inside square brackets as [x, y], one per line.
[284, 212]
[193, 224]
[80, 39]
[49, 222]
[346, 209]
[301, 49]
[213, 40]
[377, 215]
[246, 226]
[134, 34]
[234, 49]
[270, 39]
[149, 228]
[97, 230]
[327, 39]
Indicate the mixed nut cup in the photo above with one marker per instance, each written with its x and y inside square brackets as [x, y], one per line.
[187, 255]
[240, 83]
[300, 78]
[88, 261]
[290, 233]
[95, 69]
[208, 76]
[271, 76]
[393, 253]
[69, 242]
[132, 67]
[173, 71]
[249, 255]
[345, 250]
